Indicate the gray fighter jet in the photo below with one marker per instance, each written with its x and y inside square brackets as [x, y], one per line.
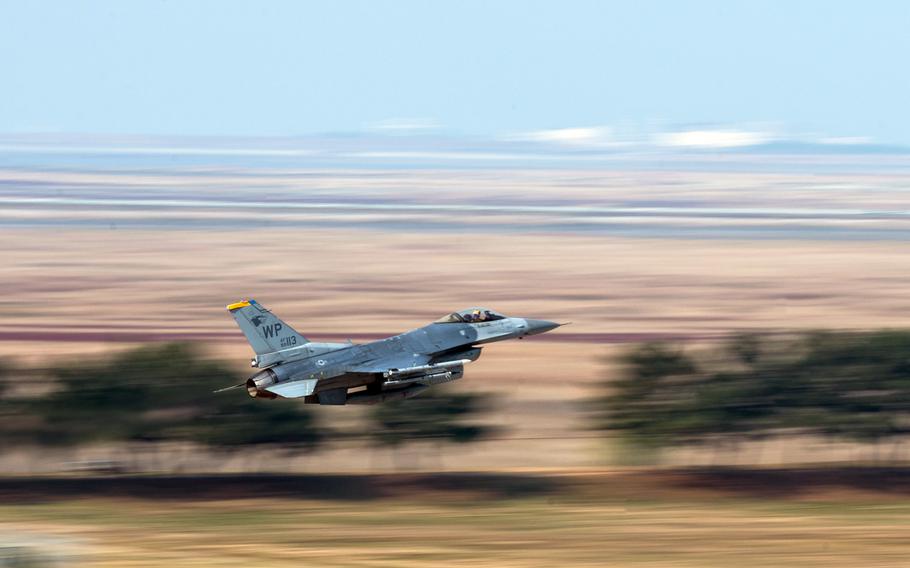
[400, 366]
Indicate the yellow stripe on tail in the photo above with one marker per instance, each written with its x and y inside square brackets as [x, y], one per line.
[238, 305]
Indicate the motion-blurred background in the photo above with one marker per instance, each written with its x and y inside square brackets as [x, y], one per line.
[715, 195]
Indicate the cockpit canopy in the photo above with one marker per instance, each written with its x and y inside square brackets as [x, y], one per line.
[471, 315]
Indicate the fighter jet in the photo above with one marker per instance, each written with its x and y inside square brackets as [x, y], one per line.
[397, 367]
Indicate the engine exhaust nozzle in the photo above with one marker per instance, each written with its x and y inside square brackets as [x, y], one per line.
[257, 384]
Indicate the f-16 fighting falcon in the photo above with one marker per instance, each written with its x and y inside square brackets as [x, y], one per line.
[400, 366]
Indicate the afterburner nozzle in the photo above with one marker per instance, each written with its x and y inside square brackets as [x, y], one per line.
[257, 384]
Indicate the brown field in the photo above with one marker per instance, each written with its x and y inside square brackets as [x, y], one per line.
[78, 292]
[87, 269]
[334, 282]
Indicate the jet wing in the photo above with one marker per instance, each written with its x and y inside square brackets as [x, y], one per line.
[421, 369]
[294, 389]
[396, 361]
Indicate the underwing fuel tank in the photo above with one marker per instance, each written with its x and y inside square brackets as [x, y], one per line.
[393, 374]
[449, 373]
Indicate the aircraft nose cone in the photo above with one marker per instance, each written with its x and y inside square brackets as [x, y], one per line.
[540, 326]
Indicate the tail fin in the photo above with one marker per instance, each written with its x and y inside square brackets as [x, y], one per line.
[265, 332]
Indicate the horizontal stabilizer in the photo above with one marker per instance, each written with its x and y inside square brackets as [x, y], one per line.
[294, 389]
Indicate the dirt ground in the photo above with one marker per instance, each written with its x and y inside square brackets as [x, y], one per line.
[664, 518]
[76, 293]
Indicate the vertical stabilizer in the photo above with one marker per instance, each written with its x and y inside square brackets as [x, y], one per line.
[263, 329]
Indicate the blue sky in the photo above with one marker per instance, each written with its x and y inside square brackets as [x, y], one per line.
[827, 69]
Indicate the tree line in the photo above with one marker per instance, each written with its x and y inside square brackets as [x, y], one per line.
[164, 393]
[845, 385]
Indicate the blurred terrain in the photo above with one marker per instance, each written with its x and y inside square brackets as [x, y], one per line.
[115, 244]
[127, 241]
[685, 518]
